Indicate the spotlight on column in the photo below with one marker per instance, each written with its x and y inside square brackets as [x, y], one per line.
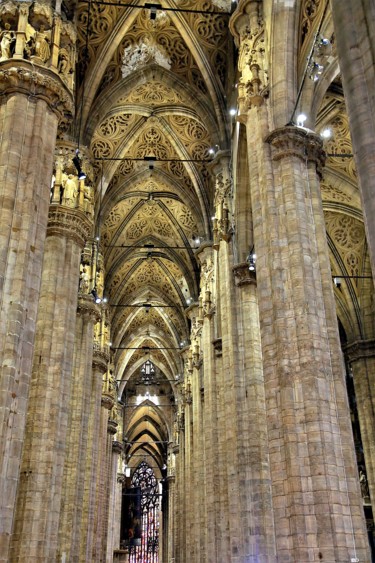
[77, 164]
[251, 260]
[95, 296]
[153, 9]
[301, 118]
[337, 282]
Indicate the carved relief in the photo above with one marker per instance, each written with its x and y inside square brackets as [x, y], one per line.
[146, 51]
[348, 235]
[253, 83]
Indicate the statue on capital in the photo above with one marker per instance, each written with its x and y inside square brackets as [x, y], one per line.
[7, 41]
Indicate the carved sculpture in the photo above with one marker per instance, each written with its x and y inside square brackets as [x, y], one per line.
[7, 41]
[145, 52]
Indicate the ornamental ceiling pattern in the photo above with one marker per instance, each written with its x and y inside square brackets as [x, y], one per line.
[152, 88]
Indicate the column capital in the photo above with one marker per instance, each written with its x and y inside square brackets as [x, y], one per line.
[359, 350]
[69, 223]
[117, 447]
[112, 427]
[100, 360]
[242, 275]
[87, 306]
[37, 82]
[297, 141]
[107, 402]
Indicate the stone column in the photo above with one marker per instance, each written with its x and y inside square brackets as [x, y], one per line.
[71, 532]
[355, 37]
[171, 518]
[113, 521]
[33, 100]
[361, 357]
[92, 469]
[317, 505]
[196, 530]
[41, 485]
[108, 429]
[187, 484]
[257, 513]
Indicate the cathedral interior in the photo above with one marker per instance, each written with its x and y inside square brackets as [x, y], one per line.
[187, 252]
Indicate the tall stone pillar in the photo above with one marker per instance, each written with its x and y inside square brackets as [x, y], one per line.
[41, 484]
[71, 532]
[187, 484]
[355, 37]
[361, 357]
[257, 488]
[108, 428]
[315, 491]
[33, 100]
[115, 492]
[92, 469]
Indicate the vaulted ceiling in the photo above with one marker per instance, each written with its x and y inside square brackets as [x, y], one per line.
[152, 88]
[153, 99]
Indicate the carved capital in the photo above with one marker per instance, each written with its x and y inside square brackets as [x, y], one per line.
[360, 350]
[100, 360]
[37, 82]
[243, 276]
[69, 223]
[121, 478]
[86, 306]
[296, 141]
[117, 447]
[112, 427]
[107, 402]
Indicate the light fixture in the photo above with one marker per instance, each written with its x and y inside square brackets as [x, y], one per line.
[337, 282]
[77, 164]
[301, 118]
[96, 297]
[315, 70]
[153, 9]
[188, 301]
[326, 133]
[251, 260]
[151, 161]
[211, 151]
[232, 112]
[105, 299]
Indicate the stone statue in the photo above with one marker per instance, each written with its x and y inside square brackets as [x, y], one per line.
[7, 40]
[364, 485]
[84, 281]
[64, 62]
[41, 47]
[70, 186]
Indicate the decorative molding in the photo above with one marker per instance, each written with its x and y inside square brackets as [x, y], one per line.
[243, 276]
[117, 447]
[100, 360]
[107, 402]
[37, 82]
[69, 223]
[112, 426]
[297, 141]
[360, 350]
[87, 306]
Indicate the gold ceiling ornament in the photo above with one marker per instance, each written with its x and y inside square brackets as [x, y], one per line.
[153, 93]
[348, 235]
[340, 143]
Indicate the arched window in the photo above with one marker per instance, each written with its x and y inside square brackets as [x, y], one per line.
[148, 551]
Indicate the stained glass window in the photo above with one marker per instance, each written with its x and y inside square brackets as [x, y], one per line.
[148, 550]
